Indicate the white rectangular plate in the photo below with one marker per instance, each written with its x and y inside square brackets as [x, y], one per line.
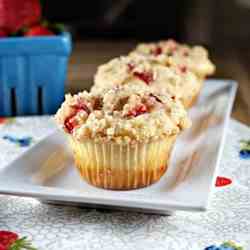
[47, 170]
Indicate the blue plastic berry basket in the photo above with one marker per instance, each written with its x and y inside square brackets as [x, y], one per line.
[32, 74]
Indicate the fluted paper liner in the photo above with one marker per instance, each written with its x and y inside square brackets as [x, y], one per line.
[122, 167]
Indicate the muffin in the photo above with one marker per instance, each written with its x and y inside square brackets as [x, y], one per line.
[139, 70]
[193, 58]
[122, 138]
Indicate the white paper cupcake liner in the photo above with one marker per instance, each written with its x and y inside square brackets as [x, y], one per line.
[122, 167]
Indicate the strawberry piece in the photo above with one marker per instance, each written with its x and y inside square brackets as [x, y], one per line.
[7, 239]
[16, 14]
[130, 66]
[70, 123]
[80, 107]
[146, 77]
[183, 69]
[222, 181]
[138, 110]
[157, 51]
[39, 30]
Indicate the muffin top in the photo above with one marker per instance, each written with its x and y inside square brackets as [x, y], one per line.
[141, 71]
[193, 58]
[122, 114]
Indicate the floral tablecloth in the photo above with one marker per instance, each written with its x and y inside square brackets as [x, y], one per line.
[69, 228]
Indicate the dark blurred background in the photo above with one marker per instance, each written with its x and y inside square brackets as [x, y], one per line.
[103, 29]
[136, 19]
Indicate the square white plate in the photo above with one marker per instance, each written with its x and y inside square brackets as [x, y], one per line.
[47, 170]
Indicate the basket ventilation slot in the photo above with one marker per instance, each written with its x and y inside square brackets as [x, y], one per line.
[13, 102]
[40, 100]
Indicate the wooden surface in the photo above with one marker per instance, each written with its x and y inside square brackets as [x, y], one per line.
[231, 64]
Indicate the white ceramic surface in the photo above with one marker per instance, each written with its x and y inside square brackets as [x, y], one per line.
[46, 171]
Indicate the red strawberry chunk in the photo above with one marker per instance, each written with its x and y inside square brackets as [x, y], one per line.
[146, 77]
[81, 106]
[138, 110]
[70, 122]
[183, 69]
[157, 51]
[7, 239]
[130, 66]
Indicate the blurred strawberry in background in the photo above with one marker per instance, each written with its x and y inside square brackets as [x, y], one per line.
[17, 14]
[24, 18]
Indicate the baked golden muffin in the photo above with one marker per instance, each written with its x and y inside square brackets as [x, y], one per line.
[138, 70]
[122, 138]
[187, 58]
[194, 58]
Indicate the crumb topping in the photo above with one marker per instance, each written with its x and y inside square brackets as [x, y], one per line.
[139, 70]
[123, 114]
[193, 58]
[124, 69]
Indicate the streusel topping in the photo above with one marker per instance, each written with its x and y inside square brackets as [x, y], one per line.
[139, 70]
[164, 52]
[123, 114]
